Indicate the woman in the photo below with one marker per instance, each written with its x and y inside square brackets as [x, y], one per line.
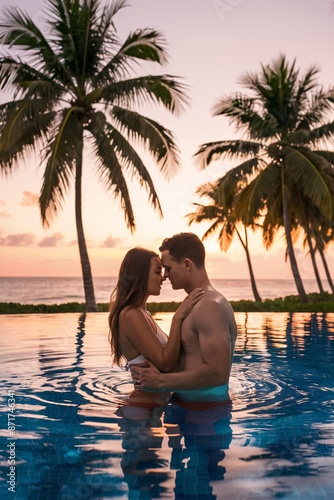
[134, 335]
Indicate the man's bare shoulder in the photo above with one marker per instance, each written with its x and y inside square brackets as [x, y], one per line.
[212, 308]
[216, 300]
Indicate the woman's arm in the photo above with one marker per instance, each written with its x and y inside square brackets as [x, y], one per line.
[139, 335]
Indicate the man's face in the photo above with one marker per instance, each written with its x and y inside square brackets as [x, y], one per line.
[174, 271]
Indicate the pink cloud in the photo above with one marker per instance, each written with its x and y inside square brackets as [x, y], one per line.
[29, 199]
[17, 240]
[110, 242]
[51, 241]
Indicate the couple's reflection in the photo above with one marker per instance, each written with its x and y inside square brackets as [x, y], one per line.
[173, 447]
[145, 462]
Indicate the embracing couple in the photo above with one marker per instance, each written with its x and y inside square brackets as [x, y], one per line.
[194, 360]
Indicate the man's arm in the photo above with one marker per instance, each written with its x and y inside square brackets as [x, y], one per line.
[212, 323]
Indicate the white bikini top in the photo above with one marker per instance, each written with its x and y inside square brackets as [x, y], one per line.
[161, 336]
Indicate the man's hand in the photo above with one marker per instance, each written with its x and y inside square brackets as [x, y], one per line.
[146, 377]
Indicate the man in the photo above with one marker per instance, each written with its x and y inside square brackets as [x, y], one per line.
[208, 333]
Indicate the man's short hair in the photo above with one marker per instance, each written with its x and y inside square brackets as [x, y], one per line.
[185, 246]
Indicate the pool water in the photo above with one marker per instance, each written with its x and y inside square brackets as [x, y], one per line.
[69, 430]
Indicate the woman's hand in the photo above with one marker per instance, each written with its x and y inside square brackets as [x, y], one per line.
[146, 376]
[188, 303]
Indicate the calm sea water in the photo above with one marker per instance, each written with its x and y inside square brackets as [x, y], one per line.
[62, 290]
[69, 432]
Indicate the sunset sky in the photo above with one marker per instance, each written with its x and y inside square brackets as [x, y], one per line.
[211, 45]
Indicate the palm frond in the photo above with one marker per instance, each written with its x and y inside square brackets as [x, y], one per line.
[23, 128]
[317, 108]
[29, 83]
[222, 196]
[115, 154]
[212, 229]
[245, 115]
[234, 149]
[268, 234]
[159, 89]
[60, 155]
[306, 169]
[17, 30]
[158, 140]
[145, 44]
[130, 161]
[323, 132]
[305, 86]
[84, 34]
[226, 235]
[252, 199]
[273, 219]
[207, 189]
[204, 213]
[328, 155]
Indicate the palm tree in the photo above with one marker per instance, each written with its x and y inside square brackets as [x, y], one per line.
[284, 119]
[309, 220]
[302, 215]
[220, 210]
[324, 262]
[323, 232]
[75, 88]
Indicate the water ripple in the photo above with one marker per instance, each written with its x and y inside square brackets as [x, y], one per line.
[106, 388]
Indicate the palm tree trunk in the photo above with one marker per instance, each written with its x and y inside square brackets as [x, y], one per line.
[329, 279]
[292, 257]
[252, 277]
[84, 259]
[315, 268]
[250, 267]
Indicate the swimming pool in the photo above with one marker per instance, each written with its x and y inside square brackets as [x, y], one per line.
[68, 432]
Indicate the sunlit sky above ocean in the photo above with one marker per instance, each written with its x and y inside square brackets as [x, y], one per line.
[211, 44]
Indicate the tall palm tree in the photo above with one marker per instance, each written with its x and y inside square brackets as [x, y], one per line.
[220, 210]
[284, 119]
[75, 88]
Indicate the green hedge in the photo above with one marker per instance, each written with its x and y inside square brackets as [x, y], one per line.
[316, 303]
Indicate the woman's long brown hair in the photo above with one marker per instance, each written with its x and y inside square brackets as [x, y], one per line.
[130, 290]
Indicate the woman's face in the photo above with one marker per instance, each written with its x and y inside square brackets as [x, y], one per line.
[155, 277]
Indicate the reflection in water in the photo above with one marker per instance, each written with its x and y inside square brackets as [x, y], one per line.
[58, 449]
[175, 446]
[198, 447]
[144, 462]
[82, 432]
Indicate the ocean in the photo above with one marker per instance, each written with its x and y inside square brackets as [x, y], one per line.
[29, 290]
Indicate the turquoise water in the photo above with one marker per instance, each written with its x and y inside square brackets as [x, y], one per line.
[68, 431]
